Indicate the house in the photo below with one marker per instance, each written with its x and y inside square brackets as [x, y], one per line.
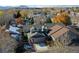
[26, 28]
[13, 29]
[38, 38]
[39, 19]
[74, 18]
[62, 34]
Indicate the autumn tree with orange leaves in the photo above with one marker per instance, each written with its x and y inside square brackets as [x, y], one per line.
[62, 17]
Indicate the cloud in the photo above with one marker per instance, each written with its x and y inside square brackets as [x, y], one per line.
[37, 2]
[12, 2]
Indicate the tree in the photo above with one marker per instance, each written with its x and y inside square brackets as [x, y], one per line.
[1, 13]
[62, 18]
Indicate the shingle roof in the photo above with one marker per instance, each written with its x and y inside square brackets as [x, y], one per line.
[58, 30]
[55, 28]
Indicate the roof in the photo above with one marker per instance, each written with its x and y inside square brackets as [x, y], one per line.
[58, 30]
[38, 35]
[55, 28]
[74, 30]
[38, 38]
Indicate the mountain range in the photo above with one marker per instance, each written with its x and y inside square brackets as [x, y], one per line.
[34, 6]
[11, 7]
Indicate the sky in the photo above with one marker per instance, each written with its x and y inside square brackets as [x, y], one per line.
[38, 2]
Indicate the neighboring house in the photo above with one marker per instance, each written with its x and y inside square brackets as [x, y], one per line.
[15, 32]
[38, 38]
[62, 34]
[37, 27]
[26, 28]
[13, 29]
[39, 19]
[74, 18]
